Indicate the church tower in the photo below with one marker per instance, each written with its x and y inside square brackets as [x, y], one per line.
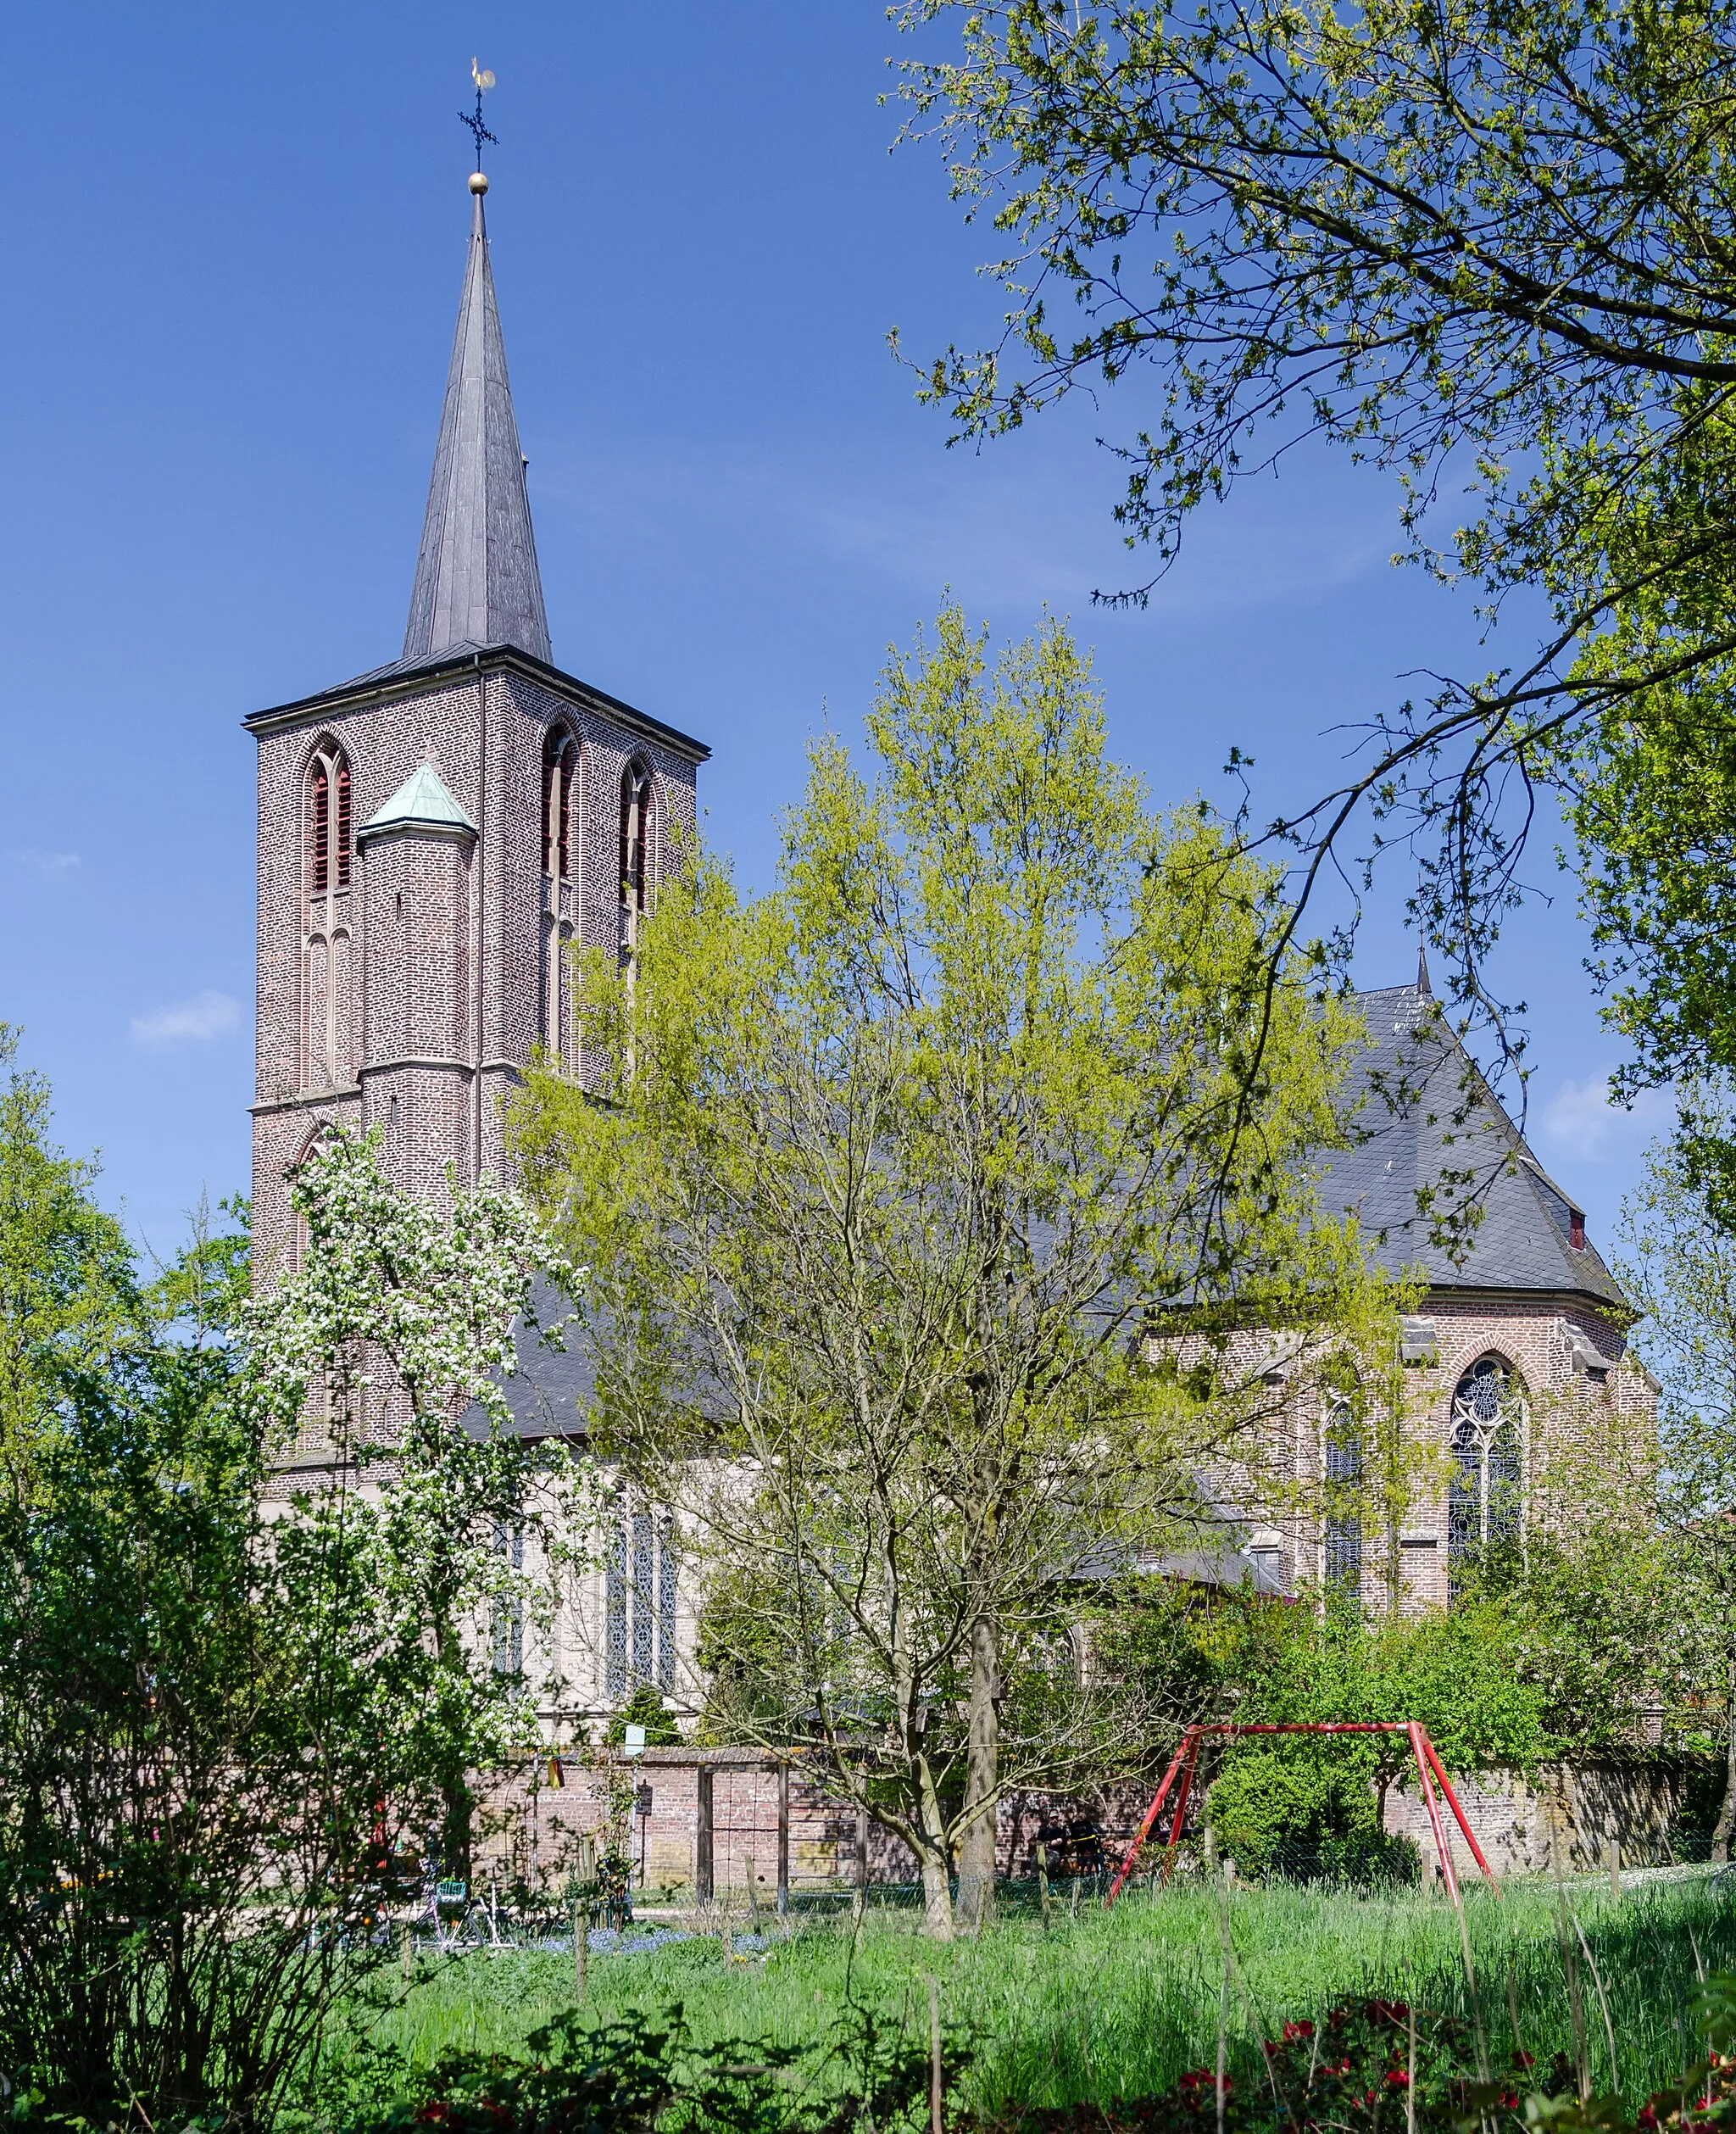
[433, 835]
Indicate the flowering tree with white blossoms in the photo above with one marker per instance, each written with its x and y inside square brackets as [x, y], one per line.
[395, 1332]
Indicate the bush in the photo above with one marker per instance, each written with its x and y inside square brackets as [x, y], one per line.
[645, 1708]
[643, 2071]
[1310, 1793]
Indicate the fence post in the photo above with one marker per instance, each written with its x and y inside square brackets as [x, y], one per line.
[704, 1881]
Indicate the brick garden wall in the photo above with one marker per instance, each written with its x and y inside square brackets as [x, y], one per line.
[532, 1828]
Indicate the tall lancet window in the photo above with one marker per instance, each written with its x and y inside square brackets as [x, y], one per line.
[329, 837]
[634, 836]
[561, 770]
[1485, 1498]
[640, 1602]
[1343, 1562]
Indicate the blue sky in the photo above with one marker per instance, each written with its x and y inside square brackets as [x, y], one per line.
[236, 237]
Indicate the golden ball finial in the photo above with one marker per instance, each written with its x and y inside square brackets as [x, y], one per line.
[479, 181]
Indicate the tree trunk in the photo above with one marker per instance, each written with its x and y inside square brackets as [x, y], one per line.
[981, 1771]
[936, 1867]
[936, 1897]
[1727, 1808]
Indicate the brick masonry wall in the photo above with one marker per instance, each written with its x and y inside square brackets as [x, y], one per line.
[531, 1828]
[1519, 1822]
[443, 994]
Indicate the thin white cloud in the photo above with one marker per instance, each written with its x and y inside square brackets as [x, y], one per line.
[46, 866]
[1581, 1121]
[207, 1015]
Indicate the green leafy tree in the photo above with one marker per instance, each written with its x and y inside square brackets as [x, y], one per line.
[1459, 238]
[932, 1196]
[69, 1302]
[1471, 1674]
[645, 1708]
[231, 1725]
[393, 1337]
[202, 1292]
[1677, 1263]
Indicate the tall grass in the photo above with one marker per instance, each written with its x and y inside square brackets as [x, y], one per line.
[1122, 2005]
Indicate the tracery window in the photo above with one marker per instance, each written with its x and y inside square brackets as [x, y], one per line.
[560, 778]
[509, 1653]
[329, 826]
[640, 1602]
[1485, 1500]
[635, 834]
[1343, 1525]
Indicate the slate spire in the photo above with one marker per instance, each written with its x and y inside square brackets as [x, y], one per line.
[476, 575]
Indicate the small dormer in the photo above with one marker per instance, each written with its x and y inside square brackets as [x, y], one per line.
[1569, 1220]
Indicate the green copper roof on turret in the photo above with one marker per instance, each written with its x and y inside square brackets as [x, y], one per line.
[421, 802]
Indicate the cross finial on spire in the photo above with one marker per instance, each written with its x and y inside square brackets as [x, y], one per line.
[484, 79]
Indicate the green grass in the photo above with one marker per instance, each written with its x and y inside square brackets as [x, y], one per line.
[1123, 2004]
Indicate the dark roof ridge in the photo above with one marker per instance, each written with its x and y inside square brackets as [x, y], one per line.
[466, 657]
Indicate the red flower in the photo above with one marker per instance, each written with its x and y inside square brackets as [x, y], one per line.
[1297, 2029]
[1398, 2078]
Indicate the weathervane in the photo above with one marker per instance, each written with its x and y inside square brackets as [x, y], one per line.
[484, 79]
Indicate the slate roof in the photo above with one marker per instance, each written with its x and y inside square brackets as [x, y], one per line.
[1421, 1109]
[476, 577]
[422, 798]
[1424, 1111]
[552, 1388]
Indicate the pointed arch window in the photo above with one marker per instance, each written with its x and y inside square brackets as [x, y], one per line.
[1485, 1499]
[560, 778]
[330, 832]
[635, 834]
[1342, 1464]
[640, 1601]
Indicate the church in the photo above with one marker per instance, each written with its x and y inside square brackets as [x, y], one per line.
[434, 834]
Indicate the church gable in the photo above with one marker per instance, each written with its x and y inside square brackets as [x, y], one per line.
[1441, 1179]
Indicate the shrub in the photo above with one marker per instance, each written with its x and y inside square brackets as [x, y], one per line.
[645, 1708]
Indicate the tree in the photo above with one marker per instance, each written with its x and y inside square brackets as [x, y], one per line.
[1678, 1265]
[1538, 1658]
[202, 1293]
[70, 1301]
[398, 1326]
[930, 1203]
[229, 1724]
[1459, 238]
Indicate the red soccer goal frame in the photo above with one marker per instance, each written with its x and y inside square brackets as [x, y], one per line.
[1186, 1756]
